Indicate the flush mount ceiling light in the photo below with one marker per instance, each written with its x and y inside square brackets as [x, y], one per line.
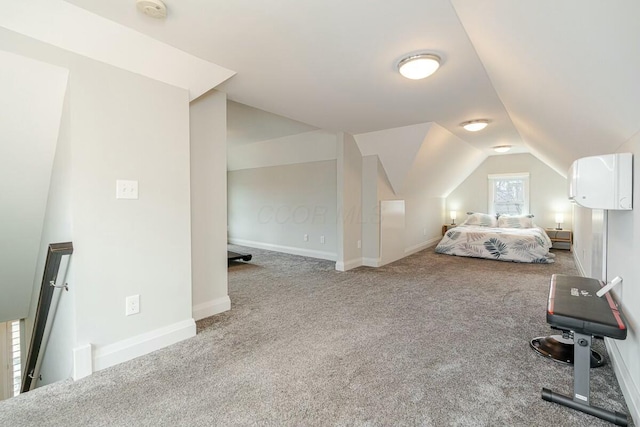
[501, 148]
[416, 67]
[475, 125]
[153, 8]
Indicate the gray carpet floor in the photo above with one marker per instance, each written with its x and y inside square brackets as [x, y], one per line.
[430, 340]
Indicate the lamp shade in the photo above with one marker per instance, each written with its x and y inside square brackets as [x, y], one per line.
[559, 218]
[453, 215]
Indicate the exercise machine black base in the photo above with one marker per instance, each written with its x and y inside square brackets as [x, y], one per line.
[574, 308]
[560, 349]
[234, 256]
[613, 417]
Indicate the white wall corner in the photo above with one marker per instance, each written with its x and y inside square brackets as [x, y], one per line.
[348, 265]
[420, 246]
[82, 362]
[210, 308]
[122, 351]
[579, 266]
[628, 387]
[371, 262]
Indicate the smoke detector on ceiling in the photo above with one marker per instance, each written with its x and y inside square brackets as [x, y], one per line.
[153, 8]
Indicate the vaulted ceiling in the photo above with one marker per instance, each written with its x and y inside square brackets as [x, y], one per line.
[556, 78]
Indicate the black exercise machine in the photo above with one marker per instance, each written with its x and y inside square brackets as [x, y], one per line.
[234, 256]
[575, 309]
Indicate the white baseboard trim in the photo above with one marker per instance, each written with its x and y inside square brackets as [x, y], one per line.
[371, 262]
[116, 353]
[210, 308]
[629, 389]
[578, 264]
[82, 362]
[420, 246]
[348, 265]
[330, 256]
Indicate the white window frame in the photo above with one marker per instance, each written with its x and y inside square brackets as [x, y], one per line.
[6, 375]
[16, 354]
[9, 384]
[499, 176]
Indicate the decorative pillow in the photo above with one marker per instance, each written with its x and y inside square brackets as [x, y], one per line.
[515, 221]
[481, 219]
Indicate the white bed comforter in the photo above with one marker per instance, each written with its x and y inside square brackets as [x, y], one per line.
[503, 244]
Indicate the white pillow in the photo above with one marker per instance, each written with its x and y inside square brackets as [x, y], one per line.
[515, 221]
[481, 219]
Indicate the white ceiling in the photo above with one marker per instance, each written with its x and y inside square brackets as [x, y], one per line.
[558, 79]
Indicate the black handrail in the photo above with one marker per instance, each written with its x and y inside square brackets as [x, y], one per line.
[52, 266]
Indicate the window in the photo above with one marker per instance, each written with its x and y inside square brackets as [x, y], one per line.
[10, 363]
[15, 357]
[509, 193]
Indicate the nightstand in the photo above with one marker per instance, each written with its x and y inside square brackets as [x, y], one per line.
[561, 239]
[448, 227]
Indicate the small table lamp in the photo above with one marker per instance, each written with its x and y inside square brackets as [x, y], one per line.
[453, 217]
[559, 220]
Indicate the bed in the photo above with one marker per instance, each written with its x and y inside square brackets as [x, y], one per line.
[514, 238]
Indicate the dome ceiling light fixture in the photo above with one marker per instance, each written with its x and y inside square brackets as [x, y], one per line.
[475, 125]
[420, 66]
[501, 148]
[153, 8]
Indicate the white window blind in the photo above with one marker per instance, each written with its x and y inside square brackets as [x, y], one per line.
[509, 193]
[15, 356]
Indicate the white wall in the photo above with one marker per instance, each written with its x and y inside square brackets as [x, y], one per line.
[274, 207]
[582, 239]
[283, 188]
[125, 126]
[32, 94]
[349, 190]
[622, 260]
[622, 253]
[57, 363]
[121, 126]
[547, 189]
[370, 210]
[209, 204]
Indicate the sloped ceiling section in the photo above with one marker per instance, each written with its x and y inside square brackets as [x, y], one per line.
[443, 162]
[246, 125]
[31, 110]
[396, 148]
[426, 155]
[71, 28]
[315, 146]
[566, 71]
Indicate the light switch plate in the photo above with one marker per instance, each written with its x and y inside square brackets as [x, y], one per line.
[126, 189]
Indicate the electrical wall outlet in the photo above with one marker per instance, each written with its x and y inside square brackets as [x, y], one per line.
[132, 304]
[306, 237]
[126, 189]
[359, 244]
[322, 239]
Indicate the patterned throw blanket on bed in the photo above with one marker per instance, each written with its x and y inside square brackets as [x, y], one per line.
[503, 244]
